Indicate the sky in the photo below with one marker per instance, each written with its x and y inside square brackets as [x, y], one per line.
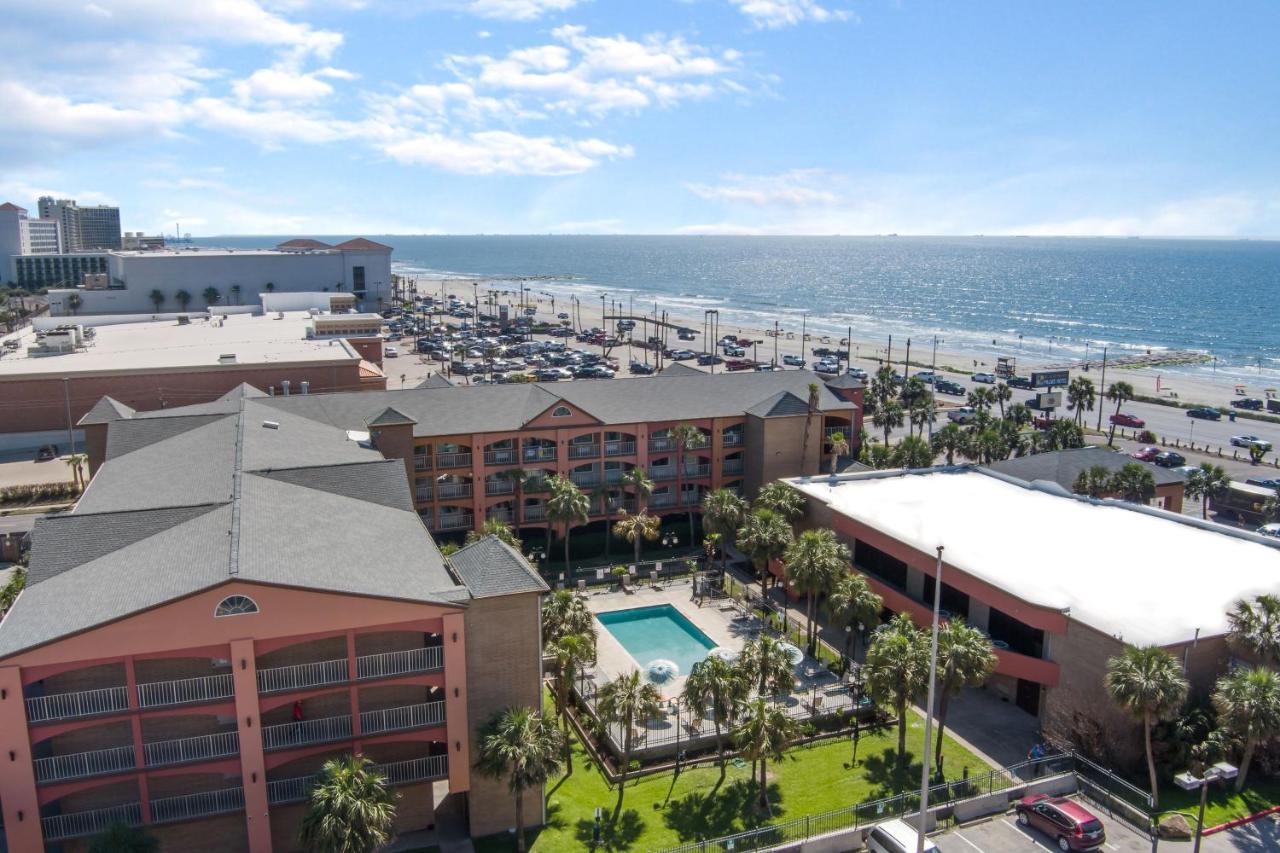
[648, 116]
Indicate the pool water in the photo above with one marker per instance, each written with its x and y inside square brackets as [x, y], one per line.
[658, 633]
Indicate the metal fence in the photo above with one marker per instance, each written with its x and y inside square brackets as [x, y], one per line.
[186, 690]
[667, 568]
[80, 764]
[83, 703]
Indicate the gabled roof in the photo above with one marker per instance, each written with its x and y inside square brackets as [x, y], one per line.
[8, 205]
[844, 380]
[360, 244]
[490, 568]
[678, 368]
[390, 417]
[435, 380]
[244, 389]
[780, 404]
[105, 411]
[303, 243]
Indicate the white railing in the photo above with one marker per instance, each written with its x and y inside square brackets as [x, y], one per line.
[499, 487]
[302, 675]
[629, 504]
[421, 463]
[619, 448]
[539, 454]
[662, 500]
[505, 456]
[732, 466]
[422, 493]
[535, 513]
[295, 790]
[697, 470]
[406, 717]
[80, 764]
[660, 444]
[501, 515]
[292, 790]
[198, 748]
[584, 478]
[583, 451]
[691, 499]
[82, 703]
[453, 490]
[665, 472]
[76, 824]
[614, 475]
[184, 691]
[188, 806]
[453, 460]
[731, 439]
[454, 521]
[303, 732]
[400, 663]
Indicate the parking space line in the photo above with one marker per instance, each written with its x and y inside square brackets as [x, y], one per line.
[1024, 835]
[970, 843]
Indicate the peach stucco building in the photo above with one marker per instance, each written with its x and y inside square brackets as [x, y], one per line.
[241, 593]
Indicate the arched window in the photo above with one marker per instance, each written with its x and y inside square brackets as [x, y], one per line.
[561, 412]
[236, 605]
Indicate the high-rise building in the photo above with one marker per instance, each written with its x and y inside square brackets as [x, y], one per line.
[21, 235]
[84, 229]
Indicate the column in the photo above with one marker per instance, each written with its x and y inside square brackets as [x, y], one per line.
[455, 702]
[352, 674]
[139, 754]
[253, 769]
[17, 772]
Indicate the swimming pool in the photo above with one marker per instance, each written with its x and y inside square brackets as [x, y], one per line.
[658, 633]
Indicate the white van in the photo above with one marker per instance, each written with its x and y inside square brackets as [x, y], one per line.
[896, 836]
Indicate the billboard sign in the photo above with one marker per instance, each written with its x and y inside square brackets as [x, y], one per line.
[1048, 400]
[1050, 378]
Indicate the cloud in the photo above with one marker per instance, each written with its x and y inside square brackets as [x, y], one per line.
[1212, 215]
[517, 10]
[270, 127]
[502, 152]
[59, 119]
[277, 85]
[775, 14]
[794, 189]
[588, 226]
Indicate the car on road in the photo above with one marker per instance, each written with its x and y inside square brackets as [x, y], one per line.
[857, 373]
[1145, 454]
[946, 386]
[926, 376]
[827, 367]
[562, 316]
[1250, 441]
[1019, 382]
[1186, 470]
[1272, 530]
[1069, 824]
[47, 452]
[1124, 419]
[390, 352]
[1207, 413]
[962, 415]
[1169, 459]
[639, 368]
[1265, 482]
[985, 378]
[1250, 403]
[793, 361]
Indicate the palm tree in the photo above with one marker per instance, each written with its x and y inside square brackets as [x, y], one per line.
[1063, 435]
[564, 614]
[1020, 414]
[211, 295]
[495, 527]
[1118, 393]
[966, 658]
[157, 297]
[1133, 483]
[813, 562]
[1207, 482]
[1248, 705]
[986, 446]
[566, 505]
[766, 665]
[1001, 394]
[350, 809]
[636, 528]
[1094, 482]
[897, 670]
[763, 537]
[814, 392]
[122, 838]
[1081, 396]
[921, 413]
[523, 747]
[74, 302]
[887, 417]
[949, 440]
[76, 462]
[182, 298]
[765, 733]
[687, 437]
[913, 451]
[853, 602]
[723, 513]
[782, 499]
[626, 700]
[718, 686]
[9, 592]
[1254, 626]
[1148, 684]
[981, 399]
[571, 653]
[839, 447]
[638, 481]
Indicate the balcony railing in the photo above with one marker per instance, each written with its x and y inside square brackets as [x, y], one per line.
[664, 472]
[628, 504]
[203, 804]
[690, 499]
[535, 513]
[584, 478]
[453, 490]
[301, 675]
[398, 719]
[76, 824]
[657, 445]
[185, 691]
[697, 470]
[662, 500]
[303, 732]
[732, 466]
[539, 454]
[390, 664]
[453, 460]
[844, 430]
[583, 451]
[499, 487]
[81, 764]
[614, 475]
[422, 492]
[505, 456]
[454, 521]
[295, 790]
[732, 439]
[421, 463]
[505, 515]
[619, 448]
[199, 748]
[82, 703]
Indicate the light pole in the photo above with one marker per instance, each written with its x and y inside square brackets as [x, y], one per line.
[1187, 781]
[928, 710]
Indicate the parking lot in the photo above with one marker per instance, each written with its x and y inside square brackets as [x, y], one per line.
[1002, 834]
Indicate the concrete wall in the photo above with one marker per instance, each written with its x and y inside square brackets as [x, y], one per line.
[777, 448]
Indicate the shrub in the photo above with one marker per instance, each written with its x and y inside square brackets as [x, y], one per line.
[1147, 437]
[38, 493]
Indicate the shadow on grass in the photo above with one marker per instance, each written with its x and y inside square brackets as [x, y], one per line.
[505, 842]
[711, 814]
[886, 775]
[618, 834]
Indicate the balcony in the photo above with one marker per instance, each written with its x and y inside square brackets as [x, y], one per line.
[843, 430]
[499, 487]
[80, 765]
[697, 470]
[422, 492]
[453, 460]
[619, 448]
[389, 664]
[732, 466]
[504, 456]
[302, 675]
[295, 790]
[535, 513]
[658, 445]
[399, 719]
[83, 703]
[584, 451]
[503, 515]
[453, 490]
[421, 463]
[539, 454]
[77, 824]
[185, 691]
[628, 504]
[690, 499]
[663, 472]
[666, 499]
[322, 730]
[183, 750]
[732, 439]
[584, 478]
[614, 476]
[455, 521]
[191, 806]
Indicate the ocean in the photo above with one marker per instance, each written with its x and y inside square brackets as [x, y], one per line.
[1043, 297]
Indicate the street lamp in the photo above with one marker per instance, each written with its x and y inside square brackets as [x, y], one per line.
[928, 708]
[1187, 781]
[670, 539]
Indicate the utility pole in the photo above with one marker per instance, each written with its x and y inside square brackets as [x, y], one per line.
[928, 709]
[775, 343]
[906, 362]
[888, 354]
[1102, 381]
[933, 371]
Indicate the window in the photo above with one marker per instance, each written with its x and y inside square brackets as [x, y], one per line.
[357, 279]
[561, 412]
[236, 605]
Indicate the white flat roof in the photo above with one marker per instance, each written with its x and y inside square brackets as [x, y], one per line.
[1143, 576]
[164, 345]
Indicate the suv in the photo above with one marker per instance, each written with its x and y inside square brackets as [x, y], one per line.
[1251, 403]
[1070, 824]
[1207, 413]
[896, 836]
[1019, 382]
[987, 378]
[946, 386]
[1169, 459]
[962, 415]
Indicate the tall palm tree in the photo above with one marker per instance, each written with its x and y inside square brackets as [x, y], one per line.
[122, 838]
[1118, 393]
[211, 295]
[1148, 684]
[887, 417]
[566, 505]
[764, 536]
[1207, 482]
[966, 658]
[523, 747]
[814, 397]
[76, 462]
[1095, 481]
[638, 481]
[913, 451]
[813, 561]
[717, 686]
[1248, 705]
[571, 653]
[565, 613]
[182, 298]
[839, 447]
[723, 513]
[687, 437]
[981, 399]
[157, 297]
[922, 412]
[626, 700]
[897, 670]
[495, 527]
[637, 528]
[764, 733]
[949, 440]
[782, 499]
[1133, 483]
[350, 809]
[1063, 434]
[1254, 626]
[853, 602]
[1001, 394]
[766, 665]
[1081, 397]
[1020, 414]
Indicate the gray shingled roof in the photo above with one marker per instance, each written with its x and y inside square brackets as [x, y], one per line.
[782, 404]
[490, 568]
[130, 435]
[105, 411]
[390, 417]
[244, 389]
[435, 380]
[1064, 466]
[678, 368]
[844, 380]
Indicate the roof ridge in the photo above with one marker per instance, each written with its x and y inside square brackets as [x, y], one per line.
[233, 551]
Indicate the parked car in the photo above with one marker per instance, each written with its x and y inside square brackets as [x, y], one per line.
[709, 358]
[1186, 470]
[962, 415]
[1018, 382]
[1069, 824]
[986, 378]
[1265, 482]
[1145, 454]
[857, 373]
[734, 351]
[896, 836]
[946, 386]
[683, 355]
[562, 316]
[639, 368]
[1272, 530]
[390, 352]
[47, 452]
[1169, 459]
[1207, 413]
[827, 367]
[793, 361]
[1123, 419]
[1250, 441]
[925, 376]
[1251, 403]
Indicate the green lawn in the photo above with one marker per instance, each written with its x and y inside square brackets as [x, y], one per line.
[1224, 803]
[663, 810]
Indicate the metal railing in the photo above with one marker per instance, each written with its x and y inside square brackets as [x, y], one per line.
[732, 466]
[535, 513]
[657, 445]
[78, 765]
[82, 703]
[185, 691]
[454, 521]
[421, 463]
[405, 717]
[691, 499]
[845, 430]
[504, 456]
[302, 732]
[188, 806]
[539, 454]
[732, 439]
[665, 499]
[76, 824]
[501, 486]
[296, 789]
[619, 448]
[583, 451]
[664, 472]
[302, 675]
[697, 470]
[584, 478]
[506, 515]
[614, 476]
[453, 490]
[389, 664]
[199, 748]
[423, 492]
[453, 460]
[628, 504]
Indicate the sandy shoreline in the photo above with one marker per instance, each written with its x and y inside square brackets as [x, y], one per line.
[867, 354]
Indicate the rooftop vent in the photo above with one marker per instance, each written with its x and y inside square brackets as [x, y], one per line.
[271, 425]
[227, 358]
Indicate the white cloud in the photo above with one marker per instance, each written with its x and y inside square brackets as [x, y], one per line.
[517, 10]
[55, 118]
[774, 14]
[502, 152]
[277, 85]
[794, 189]
[270, 127]
[588, 226]
[1230, 214]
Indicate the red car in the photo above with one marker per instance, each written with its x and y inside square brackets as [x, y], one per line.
[1145, 454]
[1070, 824]
[1121, 419]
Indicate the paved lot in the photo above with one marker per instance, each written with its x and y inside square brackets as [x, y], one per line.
[1261, 836]
[1002, 834]
[25, 471]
